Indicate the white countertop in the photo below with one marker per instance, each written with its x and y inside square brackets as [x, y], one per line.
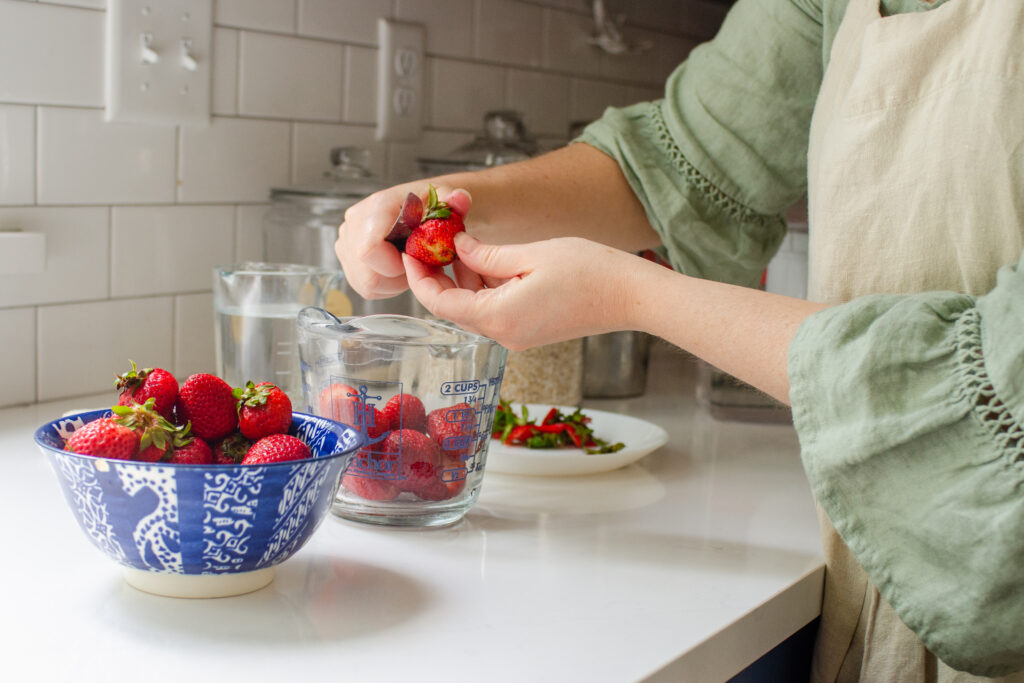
[687, 565]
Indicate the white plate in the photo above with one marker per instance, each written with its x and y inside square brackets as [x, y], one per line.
[639, 436]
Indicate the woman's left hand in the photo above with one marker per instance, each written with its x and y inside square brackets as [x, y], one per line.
[527, 295]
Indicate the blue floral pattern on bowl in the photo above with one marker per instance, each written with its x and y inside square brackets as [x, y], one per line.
[200, 519]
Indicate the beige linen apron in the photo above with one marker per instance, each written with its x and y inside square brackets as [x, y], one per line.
[916, 182]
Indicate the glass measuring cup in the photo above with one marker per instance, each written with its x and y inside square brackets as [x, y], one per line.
[254, 309]
[423, 393]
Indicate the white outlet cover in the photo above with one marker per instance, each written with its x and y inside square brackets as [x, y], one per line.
[400, 68]
[158, 61]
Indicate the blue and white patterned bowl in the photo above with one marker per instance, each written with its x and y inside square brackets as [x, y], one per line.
[200, 530]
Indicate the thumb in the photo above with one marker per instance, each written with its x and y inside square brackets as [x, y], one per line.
[459, 201]
[491, 260]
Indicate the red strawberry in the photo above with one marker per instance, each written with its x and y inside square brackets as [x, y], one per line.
[138, 385]
[338, 402]
[453, 429]
[433, 240]
[370, 489]
[195, 452]
[418, 456]
[104, 438]
[435, 490]
[276, 448]
[341, 403]
[156, 434]
[405, 411]
[208, 403]
[263, 409]
[231, 449]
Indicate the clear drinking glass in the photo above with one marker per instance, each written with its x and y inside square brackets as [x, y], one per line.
[254, 306]
[423, 459]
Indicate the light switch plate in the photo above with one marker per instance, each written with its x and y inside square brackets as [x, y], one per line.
[158, 61]
[400, 80]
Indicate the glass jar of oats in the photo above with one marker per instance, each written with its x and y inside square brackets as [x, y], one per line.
[551, 374]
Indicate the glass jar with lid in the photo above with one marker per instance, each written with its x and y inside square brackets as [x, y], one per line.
[503, 140]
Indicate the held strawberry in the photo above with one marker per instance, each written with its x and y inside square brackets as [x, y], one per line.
[208, 403]
[276, 448]
[263, 409]
[104, 438]
[138, 385]
[433, 240]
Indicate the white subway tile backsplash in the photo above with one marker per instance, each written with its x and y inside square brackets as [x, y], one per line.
[85, 160]
[84, 345]
[351, 21]
[225, 71]
[291, 79]
[92, 4]
[265, 15]
[700, 19]
[654, 64]
[542, 98]
[509, 32]
[660, 14]
[17, 154]
[287, 77]
[403, 157]
[360, 100]
[643, 66]
[565, 43]
[464, 92]
[448, 23]
[312, 145]
[77, 255]
[18, 360]
[51, 54]
[249, 232]
[589, 98]
[168, 249]
[193, 336]
[232, 160]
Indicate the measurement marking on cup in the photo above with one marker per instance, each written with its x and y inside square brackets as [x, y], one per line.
[463, 387]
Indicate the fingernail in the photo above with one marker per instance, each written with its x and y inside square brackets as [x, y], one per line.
[464, 241]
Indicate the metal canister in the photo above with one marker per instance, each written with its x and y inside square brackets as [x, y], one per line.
[615, 364]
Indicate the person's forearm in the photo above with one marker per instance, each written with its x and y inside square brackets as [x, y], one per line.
[573, 191]
[744, 332]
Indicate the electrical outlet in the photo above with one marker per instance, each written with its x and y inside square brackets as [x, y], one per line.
[400, 80]
[158, 61]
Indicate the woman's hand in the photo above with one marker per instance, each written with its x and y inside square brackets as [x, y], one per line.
[372, 265]
[531, 294]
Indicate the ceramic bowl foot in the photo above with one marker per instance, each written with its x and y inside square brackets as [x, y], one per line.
[198, 585]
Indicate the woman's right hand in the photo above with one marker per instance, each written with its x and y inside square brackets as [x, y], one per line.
[372, 265]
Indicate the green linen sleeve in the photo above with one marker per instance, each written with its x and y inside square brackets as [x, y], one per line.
[909, 411]
[719, 159]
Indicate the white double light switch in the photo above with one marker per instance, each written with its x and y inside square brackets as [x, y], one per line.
[400, 80]
[158, 61]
